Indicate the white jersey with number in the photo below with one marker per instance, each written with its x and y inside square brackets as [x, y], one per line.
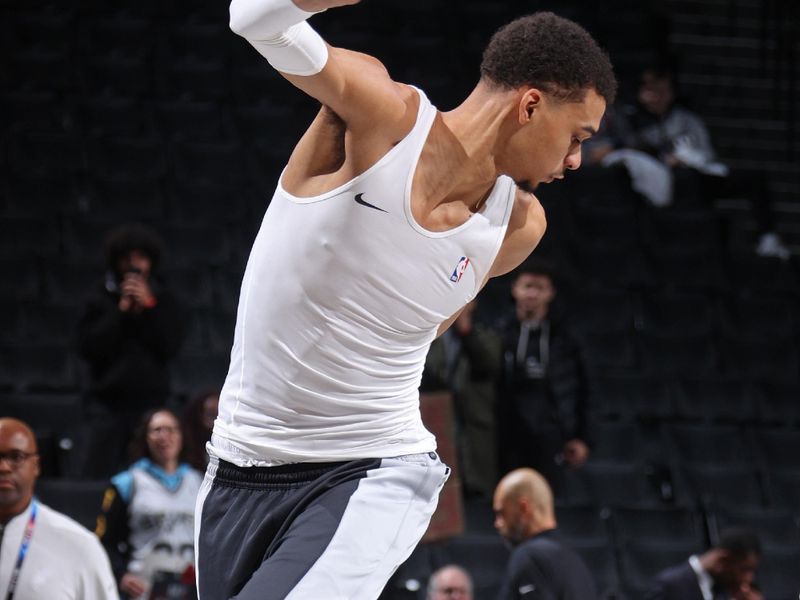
[342, 296]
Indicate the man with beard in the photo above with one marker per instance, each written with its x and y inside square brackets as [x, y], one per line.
[541, 565]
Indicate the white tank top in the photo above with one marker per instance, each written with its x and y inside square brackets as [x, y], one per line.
[342, 296]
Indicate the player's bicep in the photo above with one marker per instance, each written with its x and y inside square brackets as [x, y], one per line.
[358, 88]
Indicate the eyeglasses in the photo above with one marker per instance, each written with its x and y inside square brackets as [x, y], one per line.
[15, 458]
[163, 429]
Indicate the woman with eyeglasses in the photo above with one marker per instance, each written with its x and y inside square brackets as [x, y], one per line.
[147, 519]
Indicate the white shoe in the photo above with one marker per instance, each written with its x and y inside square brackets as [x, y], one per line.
[770, 244]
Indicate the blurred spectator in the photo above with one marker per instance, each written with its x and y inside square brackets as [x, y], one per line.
[130, 330]
[198, 421]
[667, 150]
[43, 554]
[543, 390]
[541, 565]
[726, 572]
[147, 519]
[466, 361]
[451, 582]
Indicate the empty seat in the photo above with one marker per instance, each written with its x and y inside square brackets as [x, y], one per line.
[26, 282]
[197, 203]
[774, 526]
[80, 499]
[583, 524]
[609, 352]
[117, 200]
[619, 223]
[45, 155]
[709, 444]
[110, 115]
[37, 368]
[57, 419]
[602, 311]
[28, 195]
[607, 263]
[117, 75]
[631, 396]
[679, 355]
[190, 120]
[696, 228]
[32, 111]
[759, 317]
[195, 373]
[127, 158]
[40, 68]
[29, 236]
[71, 282]
[51, 323]
[116, 35]
[734, 486]
[191, 77]
[778, 403]
[622, 441]
[607, 484]
[195, 245]
[717, 399]
[784, 487]
[759, 275]
[778, 447]
[687, 269]
[208, 163]
[658, 524]
[670, 314]
[768, 359]
[191, 285]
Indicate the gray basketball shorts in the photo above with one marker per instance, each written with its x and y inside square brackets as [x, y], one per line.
[321, 531]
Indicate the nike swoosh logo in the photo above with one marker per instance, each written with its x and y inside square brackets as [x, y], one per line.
[365, 203]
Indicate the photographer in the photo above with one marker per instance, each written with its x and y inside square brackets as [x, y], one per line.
[130, 330]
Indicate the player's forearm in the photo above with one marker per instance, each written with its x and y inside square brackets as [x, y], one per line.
[263, 19]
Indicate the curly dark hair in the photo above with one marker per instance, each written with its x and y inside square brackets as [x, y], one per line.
[129, 237]
[551, 53]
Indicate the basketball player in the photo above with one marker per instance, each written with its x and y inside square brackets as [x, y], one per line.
[386, 221]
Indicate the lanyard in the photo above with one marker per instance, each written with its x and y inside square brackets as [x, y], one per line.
[23, 551]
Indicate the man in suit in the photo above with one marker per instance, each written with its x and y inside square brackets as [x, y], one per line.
[725, 572]
[541, 566]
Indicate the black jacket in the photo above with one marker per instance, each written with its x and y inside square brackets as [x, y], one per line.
[676, 583]
[128, 354]
[545, 568]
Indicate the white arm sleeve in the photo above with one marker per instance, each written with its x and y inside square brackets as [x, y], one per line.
[278, 30]
[264, 19]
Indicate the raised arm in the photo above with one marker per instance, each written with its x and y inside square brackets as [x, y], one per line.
[355, 86]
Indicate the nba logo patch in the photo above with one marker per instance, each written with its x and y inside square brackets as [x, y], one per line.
[459, 270]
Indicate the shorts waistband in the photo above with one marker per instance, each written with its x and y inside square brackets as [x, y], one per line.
[292, 474]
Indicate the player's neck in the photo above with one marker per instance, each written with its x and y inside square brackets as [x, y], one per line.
[478, 124]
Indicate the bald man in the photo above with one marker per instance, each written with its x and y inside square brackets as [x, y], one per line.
[541, 565]
[451, 582]
[43, 554]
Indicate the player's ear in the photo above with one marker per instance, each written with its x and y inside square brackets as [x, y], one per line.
[530, 100]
